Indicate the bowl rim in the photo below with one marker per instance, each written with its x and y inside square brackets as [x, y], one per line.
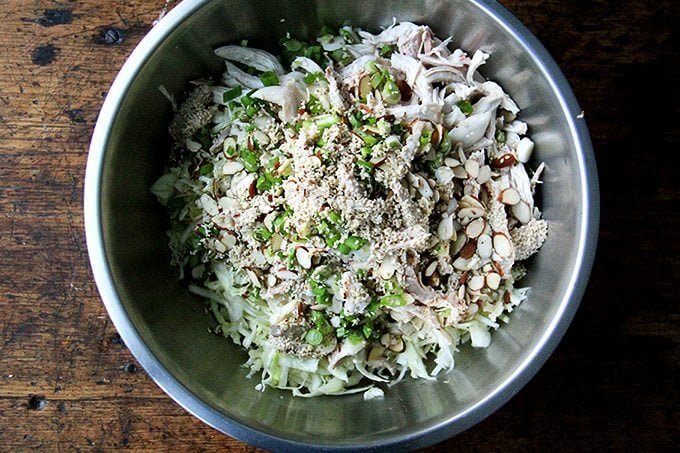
[534, 360]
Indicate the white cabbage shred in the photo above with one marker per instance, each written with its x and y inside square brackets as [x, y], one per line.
[358, 217]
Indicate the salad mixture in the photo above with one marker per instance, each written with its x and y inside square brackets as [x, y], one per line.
[353, 210]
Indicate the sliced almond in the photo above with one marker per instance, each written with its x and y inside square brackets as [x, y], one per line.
[502, 245]
[468, 250]
[261, 138]
[228, 240]
[484, 246]
[271, 280]
[472, 168]
[509, 196]
[364, 86]
[459, 172]
[475, 228]
[484, 174]
[232, 167]
[285, 274]
[444, 175]
[387, 268]
[475, 283]
[303, 257]
[522, 212]
[431, 268]
[451, 162]
[493, 280]
[505, 160]
[445, 229]
[276, 241]
[469, 201]
[458, 244]
[461, 263]
[471, 213]
[397, 345]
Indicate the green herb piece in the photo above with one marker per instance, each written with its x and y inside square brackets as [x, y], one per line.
[500, 136]
[250, 161]
[390, 92]
[334, 217]
[205, 170]
[341, 56]
[368, 139]
[232, 93]
[425, 138]
[371, 67]
[355, 242]
[366, 165]
[344, 248]
[445, 145]
[393, 300]
[262, 234]
[355, 337]
[367, 329]
[465, 107]
[349, 35]
[326, 121]
[314, 337]
[314, 77]
[387, 50]
[269, 78]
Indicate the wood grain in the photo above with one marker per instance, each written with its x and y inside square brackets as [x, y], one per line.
[611, 384]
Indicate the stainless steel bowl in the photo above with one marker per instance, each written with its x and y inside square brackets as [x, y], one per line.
[165, 327]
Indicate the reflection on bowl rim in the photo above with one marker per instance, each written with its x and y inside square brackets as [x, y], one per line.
[588, 229]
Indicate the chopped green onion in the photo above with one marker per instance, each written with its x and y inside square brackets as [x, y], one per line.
[371, 67]
[292, 45]
[205, 169]
[355, 242]
[393, 142]
[349, 35]
[323, 299]
[390, 92]
[500, 136]
[269, 78]
[425, 138]
[251, 110]
[354, 120]
[387, 50]
[313, 77]
[279, 222]
[368, 139]
[313, 53]
[332, 238]
[393, 300]
[262, 234]
[361, 274]
[334, 217]
[446, 144]
[366, 152]
[367, 165]
[232, 93]
[314, 337]
[355, 337]
[344, 249]
[341, 56]
[465, 107]
[326, 121]
[250, 161]
[368, 329]
[247, 101]
[377, 79]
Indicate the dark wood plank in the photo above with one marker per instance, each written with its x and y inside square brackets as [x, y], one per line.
[612, 383]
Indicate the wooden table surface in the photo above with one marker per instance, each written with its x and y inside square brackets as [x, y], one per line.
[68, 383]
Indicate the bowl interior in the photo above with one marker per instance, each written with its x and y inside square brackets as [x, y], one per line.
[172, 323]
